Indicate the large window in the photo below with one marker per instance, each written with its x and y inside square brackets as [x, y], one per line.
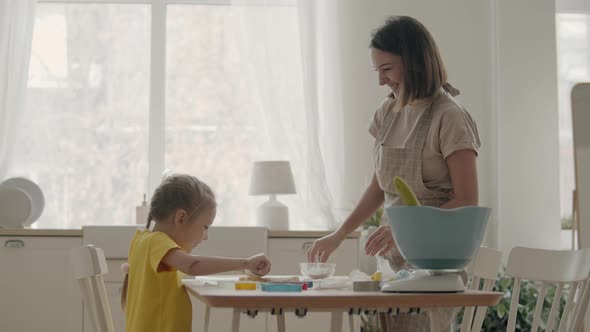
[214, 114]
[573, 53]
[83, 134]
[91, 134]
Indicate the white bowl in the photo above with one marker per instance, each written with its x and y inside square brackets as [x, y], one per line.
[317, 270]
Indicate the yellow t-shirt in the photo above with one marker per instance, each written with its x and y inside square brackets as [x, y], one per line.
[156, 301]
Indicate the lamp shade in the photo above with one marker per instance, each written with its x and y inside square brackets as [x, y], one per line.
[271, 177]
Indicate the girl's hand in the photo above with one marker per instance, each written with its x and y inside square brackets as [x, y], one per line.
[125, 267]
[380, 242]
[257, 265]
[322, 248]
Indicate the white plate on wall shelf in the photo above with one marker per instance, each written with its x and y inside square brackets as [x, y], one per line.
[15, 207]
[33, 191]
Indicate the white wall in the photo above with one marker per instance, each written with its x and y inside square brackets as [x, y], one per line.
[527, 133]
[573, 6]
[510, 58]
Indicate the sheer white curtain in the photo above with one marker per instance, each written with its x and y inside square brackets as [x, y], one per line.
[300, 110]
[320, 28]
[16, 33]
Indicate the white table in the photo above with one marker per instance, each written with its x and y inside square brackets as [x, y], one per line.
[335, 301]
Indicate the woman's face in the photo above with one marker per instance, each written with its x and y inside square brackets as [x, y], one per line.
[390, 69]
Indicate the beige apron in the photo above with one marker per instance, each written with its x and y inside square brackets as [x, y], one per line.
[405, 162]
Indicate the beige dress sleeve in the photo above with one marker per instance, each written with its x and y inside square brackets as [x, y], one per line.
[458, 131]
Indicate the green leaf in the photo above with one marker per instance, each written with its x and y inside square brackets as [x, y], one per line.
[501, 310]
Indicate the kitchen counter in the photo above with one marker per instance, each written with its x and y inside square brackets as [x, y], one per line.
[78, 232]
[40, 232]
[298, 234]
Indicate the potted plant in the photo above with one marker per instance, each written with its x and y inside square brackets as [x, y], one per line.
[369, 323]
[368, 264]
[374, 220]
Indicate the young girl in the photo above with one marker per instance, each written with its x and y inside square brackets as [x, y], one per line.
[153, 297]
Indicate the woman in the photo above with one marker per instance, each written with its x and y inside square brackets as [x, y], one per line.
[422, 134]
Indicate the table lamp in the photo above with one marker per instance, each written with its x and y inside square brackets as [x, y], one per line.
[272, 178]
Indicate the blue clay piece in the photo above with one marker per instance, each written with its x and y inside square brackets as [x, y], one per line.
[280, 287]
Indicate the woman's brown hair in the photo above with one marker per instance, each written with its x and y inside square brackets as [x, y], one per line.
[425, 72]
[178, 191]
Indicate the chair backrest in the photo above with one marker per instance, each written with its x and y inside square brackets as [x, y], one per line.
[579, 312]
[550, 268]
[89, 265]
[484, 266]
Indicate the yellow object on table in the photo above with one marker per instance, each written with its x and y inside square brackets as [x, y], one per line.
[377, 276]
[245, 286]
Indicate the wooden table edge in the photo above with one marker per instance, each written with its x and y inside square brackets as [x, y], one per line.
[249, 300]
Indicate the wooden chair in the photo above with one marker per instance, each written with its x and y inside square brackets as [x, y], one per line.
[89, 266]
[551, 268]
[484, 267]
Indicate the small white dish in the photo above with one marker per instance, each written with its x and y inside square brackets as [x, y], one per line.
[317, 270]
[35, 193]
[15, 207]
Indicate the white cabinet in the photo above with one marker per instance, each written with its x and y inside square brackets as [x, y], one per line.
[37, 285]
[113, 283]
[286, 254]
[114, 295]
[230, 242]
[114, 241]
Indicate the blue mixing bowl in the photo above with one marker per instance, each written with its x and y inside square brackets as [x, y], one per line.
[438, 239]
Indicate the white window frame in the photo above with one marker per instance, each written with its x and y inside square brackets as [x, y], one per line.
[157, 106]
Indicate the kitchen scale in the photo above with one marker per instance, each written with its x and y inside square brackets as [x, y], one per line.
[439, 243]
[427, 281]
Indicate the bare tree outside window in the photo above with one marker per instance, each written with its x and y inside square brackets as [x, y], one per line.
[214, 120]
[83, 134]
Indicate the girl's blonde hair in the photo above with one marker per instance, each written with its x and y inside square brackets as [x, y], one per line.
[180, 191]
[425, 72]
[177, 191]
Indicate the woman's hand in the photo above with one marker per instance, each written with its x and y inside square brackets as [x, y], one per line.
[380, 242]
[322, 248]
[257, 265]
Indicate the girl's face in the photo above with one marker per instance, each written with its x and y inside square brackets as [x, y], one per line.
[192, 230]
[390, 68]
